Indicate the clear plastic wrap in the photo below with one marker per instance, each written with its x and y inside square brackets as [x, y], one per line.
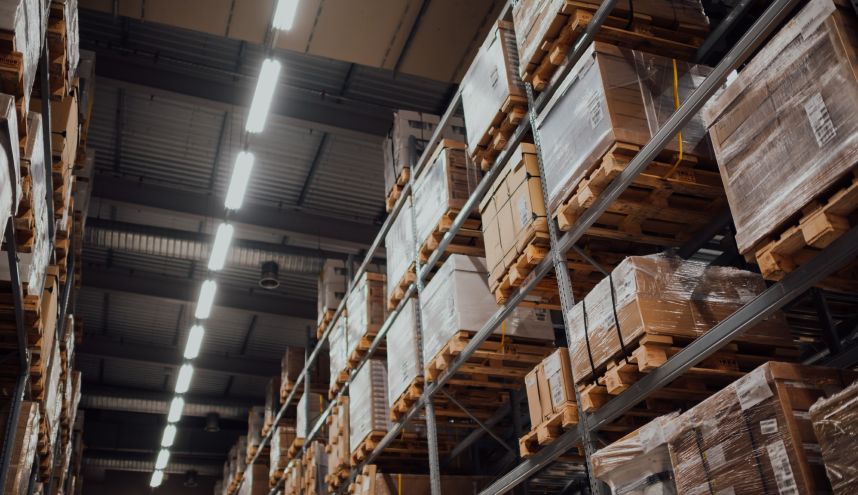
[492, 78]
[281, 440]
[639, 463]
[24, 449]
[255, 480]
[755, 435]
[421, 126]
[835, 422]
[337, 345]
[366, 309]
[255, 420]
[399, 247]
[458, 298]
[794, 104]
[612, 95]
[404, 362]
[26, 21]
[10, 161]
[368, 410]
[666, 296]
[332, 286]
[445, 184]
[317, 407]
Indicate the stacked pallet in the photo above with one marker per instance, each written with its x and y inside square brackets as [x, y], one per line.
[550, 402]
[399, 247]
[793, 105]
[372, 481]
[281, 439]
[366, 313]
[255, 422]
[836, 426]
[255, 480]
[332, 288]
[314, 465]
[309, 409]
[291, 366]
[25, 446]
[404, 362]
[368, 414]
[23, 24]
[339, 454]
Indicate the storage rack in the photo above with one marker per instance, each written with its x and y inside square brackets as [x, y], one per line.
[22, 387]
[775, 297]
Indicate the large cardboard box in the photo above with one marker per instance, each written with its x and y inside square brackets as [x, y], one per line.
[399, 248]
[835, 422]
[309, 409]
[404, 362]
[374, 482]
[23, 24]
[64, 130]
[367, 308]
[337, 348]
[255, 420]
[368, 410]
[281, 439]
[549, 386]
[10, 160]
[784, 131]
[255, 480]
[25, 445]
[332, 286]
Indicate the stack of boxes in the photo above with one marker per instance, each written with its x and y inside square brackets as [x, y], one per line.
[366, 312]
[281, 439]
[339, 454]
[404, 361]
[368, 412]
[332, 288]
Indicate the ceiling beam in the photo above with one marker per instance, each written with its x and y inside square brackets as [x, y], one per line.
[171, 357]
[187, 290]
[144, 401]
[200, 204]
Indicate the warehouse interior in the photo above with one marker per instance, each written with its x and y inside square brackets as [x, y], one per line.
[633, 267]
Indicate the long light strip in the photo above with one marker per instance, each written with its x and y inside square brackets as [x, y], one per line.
[157, 478]
[238, 183]
[284, 15]
[169, 436]
[183, 382]
[163, 459]
[206, 300]
[195, 341]
[176, 408]
[263, 96]
[223, 238]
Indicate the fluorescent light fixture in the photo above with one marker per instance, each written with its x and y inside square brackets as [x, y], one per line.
[183, 382]
[163, 459]
[221, 246]
[284, 15]
[169, 436]
[176, 408]
[204, 303]
[263, 96]
[195, 340]
[157, 478]
[238, 182]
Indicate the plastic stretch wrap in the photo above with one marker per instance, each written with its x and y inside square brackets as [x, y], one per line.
[10, 161]
[255, 420]
[613, 95]
[281, 440]
[255, 480]
[639, 463]
[420, 126]
[492, 78]
[317, 407]
[25, 446]
[755, 436]
[399, 246]
[366, 309]
[444, 185]
[332, 286]
[458, 298]
[404, 362]
[835, 422]
[368, 411]
[662, 295]
[794, 104]
[26, 20]
[337, 345]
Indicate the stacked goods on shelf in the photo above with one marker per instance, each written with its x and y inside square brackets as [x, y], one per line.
[314, 466]
[272, 404]
[309, 409]
[291, 366]
[293, 477]
[24, 449]
[10, 171]
[792, 105]
[399, 246]
[49, 396]
[368, 414]
[255, 420]
[281, 439]
[835, 422]
[406, 142]
[494, 99]
[373, 482]
[550, 401]
[229, 478]
[255, 480]
[332, 288]
[337, 348]
[63, 41]
[366, 306]
[22, 31]
[86, 94]
[647, 310]
[607, 108]
[236, 465]
[404, 362]
[440, 191]
[339, 454]
[547, 29]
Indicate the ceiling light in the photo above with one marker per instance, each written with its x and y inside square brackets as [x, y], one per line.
[284, 15]
[157, 478]
[183, 383]
[163, 459]
[238, 182]
[221, 246]
[169, 436]
[204, 303]
[176, 408]
[195, 340]
[263, 96]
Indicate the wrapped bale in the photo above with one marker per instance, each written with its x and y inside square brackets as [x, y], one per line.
[366, 312]
[494, 99]
[835, 422]
[22, 26]
[368, 412]
[399, 247]
[25, 446]
[786, 139]
[281, 440]
[404, 362]
[255, 480]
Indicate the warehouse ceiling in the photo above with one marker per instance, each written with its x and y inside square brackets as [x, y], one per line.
[167, 125]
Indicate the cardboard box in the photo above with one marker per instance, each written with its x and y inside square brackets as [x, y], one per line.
[558, 376]
[534, 406]
[792, 105]
[399, 248]
[64, 129]
[255, 480]
[404, 362]
[316, 407]
[544, 392]
[337, 347]
[281, 440]
[368, 409]
[835, 422]
[374, 482]
[367, 308]
[332, 286]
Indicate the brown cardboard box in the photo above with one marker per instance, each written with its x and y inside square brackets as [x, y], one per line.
[64, 127]
[544, 392]
[373, 482]
[835, 422]
[558, 375]
[255, 480]
[534, 406]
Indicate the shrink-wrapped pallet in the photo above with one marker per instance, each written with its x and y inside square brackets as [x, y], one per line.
[10, 160]
[366, 311]
[404, 362]
[24, 22]
[664, 297]
[255, 480]
[338, 345]
[755, 436]
[408, 124]
[368, 410]
[639, 463]
[309, 408]
[332, 286]
[255, 420]
[23, 450]
[399, 247]
[835, 422]
[784, 130]
[281, 439]
[613, 95]
[458, 299]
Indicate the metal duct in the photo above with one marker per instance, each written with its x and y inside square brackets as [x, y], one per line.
[190, 246]
[158, 406]
[138, 465]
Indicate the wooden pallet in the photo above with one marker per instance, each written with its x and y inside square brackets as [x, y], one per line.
[506, 120]
[366, 446]
[296, 446]
[59, 64]
[653, 209]
[548, 431]
[398, 187]
[820, 223]
[338, 383]
[403, 404]
[497, 363]
[12, 81]
[468, 240]
[653, 35]
[363, 345]
[401, 287]
[339, 475]
[327, 316]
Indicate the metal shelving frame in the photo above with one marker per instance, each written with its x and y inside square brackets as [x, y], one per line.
[775, 297]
